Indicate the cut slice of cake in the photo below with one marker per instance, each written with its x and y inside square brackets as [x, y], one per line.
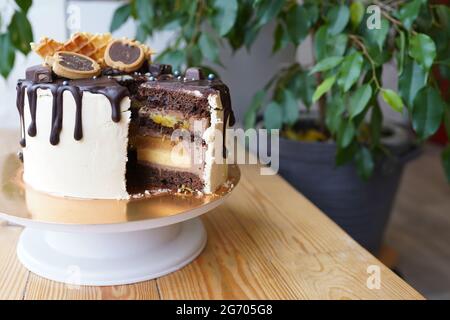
[121, 133]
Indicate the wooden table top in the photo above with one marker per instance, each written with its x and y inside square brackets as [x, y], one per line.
[266, 242]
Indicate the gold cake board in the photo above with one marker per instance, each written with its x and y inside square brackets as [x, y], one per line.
[104, 242]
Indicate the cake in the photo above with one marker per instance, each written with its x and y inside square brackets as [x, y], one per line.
[99, 120]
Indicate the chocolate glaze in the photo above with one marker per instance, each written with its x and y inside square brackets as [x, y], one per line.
[108, 87]
[115, 90]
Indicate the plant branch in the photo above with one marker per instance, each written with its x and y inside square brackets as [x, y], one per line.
[361, 45]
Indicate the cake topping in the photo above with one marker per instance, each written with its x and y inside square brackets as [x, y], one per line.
[73, 65]
[194, 74]
[39, 74]
[157, 69]
[91, 45]
[124, 55]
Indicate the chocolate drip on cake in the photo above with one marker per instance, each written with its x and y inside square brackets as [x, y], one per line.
[108, 87]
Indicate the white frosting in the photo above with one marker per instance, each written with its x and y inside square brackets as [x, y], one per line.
[93, 167]
[215, 171]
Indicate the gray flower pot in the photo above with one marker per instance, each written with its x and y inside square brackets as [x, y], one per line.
[361, 208]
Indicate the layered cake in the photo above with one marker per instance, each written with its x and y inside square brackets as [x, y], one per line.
[99, 120]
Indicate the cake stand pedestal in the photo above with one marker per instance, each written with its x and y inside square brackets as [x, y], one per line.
[111, 258]
[105, 242]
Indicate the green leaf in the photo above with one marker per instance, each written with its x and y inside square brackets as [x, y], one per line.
[422, 49]
[297, 23]
[378, 36]
[305, 85]
[273, 116]
[252, 110]
[209, 47]
[7, 55]
[320, 42]
[323, 88]
[345, 155]
[427, 112]
[225, 15]
[346, 133]
[392, 99]
[24, 5]
[359, 100]
[350, 70]
[401, 44]
[250, 35]
[145, 13]
[446, 162]
[413, 78]
[356, 13]
[120, 16]
[326, 64]
[338, 18]
[376, 125]
[409, 12]
[20, 32]
[336, 45]
[290, 108]
[267, 10]
[364, 163]
[334, 114]
[141, 33]
[281, 38]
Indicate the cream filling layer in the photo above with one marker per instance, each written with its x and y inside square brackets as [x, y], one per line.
[164, 152]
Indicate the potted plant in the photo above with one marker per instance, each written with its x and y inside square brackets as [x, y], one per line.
[344, 156]
[323, 154]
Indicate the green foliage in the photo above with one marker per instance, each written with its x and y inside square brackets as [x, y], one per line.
[326, 64]
[427, 112]
[7, 56]
[350, 71]
[346, 78]
[392, 99]
[323, 88]
[273, 116]
[356, 13]
[422, 49]
[17, 36]
[359, 100]
[120, 16]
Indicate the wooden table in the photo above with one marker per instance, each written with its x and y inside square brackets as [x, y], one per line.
[266, 242]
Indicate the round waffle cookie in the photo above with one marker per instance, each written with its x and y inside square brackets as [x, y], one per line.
[125, 55]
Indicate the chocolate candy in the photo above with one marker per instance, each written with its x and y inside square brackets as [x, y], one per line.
[39, 74]
[194, 74]
[74, 65]
[157, 69]
[124, 55]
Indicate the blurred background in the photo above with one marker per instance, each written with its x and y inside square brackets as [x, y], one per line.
[396, 204]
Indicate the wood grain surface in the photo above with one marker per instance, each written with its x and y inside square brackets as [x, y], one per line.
[266, 242]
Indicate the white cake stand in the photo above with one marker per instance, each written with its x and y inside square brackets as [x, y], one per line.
[105, 242]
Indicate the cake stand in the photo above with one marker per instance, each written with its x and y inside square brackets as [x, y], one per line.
[105, 242]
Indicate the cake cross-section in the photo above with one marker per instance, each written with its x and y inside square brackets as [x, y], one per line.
[123, 133]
